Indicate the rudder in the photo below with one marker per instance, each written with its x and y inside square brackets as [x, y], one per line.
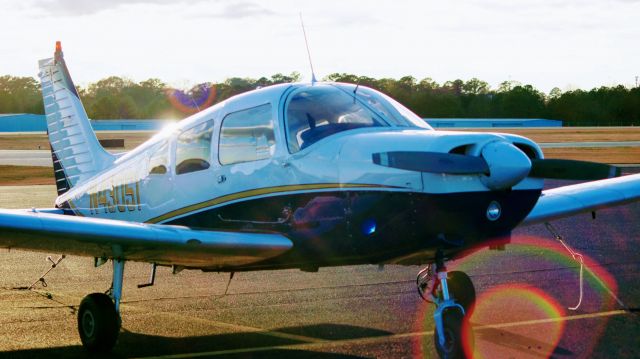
[77, 155]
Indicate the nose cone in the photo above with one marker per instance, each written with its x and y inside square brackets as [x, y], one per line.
[507, 165]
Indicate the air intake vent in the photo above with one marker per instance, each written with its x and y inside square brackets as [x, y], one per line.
[528, 150]
[460, 150]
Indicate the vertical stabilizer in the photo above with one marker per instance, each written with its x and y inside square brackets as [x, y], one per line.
[77, 155]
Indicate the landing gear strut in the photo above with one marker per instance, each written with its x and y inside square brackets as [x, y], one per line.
[453, 294]
[99, 315]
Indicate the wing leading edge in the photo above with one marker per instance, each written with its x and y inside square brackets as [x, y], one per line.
[584, 197]
[156, 243]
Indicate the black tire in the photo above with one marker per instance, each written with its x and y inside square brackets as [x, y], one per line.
[452, 322]
[98, 323]
[461, 289]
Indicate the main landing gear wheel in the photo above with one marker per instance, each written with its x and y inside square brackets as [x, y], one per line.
[98, 323]
[99, 314]
[461, 289]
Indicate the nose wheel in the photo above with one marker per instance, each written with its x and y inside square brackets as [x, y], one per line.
[452, 333]
[453, 294]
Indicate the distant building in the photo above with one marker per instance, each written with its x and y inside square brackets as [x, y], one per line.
[491, 122]
[25, 122]
[129, 125]
[22, 122]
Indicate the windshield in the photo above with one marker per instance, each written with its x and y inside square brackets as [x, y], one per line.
[389, 108]
[319, 111]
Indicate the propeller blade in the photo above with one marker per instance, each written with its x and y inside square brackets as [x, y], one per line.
[432, 162]
[572, 170]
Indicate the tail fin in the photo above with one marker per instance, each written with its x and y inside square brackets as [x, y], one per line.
[77, 155]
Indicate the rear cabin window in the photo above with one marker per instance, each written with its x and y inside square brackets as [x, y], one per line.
[159, 159]
[247, 135]
[193, 150]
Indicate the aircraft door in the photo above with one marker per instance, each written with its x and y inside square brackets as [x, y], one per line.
[248, 171]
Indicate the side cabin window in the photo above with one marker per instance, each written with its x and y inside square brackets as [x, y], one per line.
[159, 159]
[193, 148]
[247, 135]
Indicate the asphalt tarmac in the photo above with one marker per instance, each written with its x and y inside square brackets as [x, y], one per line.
[40, 158]
[359, 311]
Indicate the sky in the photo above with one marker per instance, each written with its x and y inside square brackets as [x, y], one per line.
[546, 43]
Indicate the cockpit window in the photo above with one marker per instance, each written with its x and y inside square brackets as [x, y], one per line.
[314, 113]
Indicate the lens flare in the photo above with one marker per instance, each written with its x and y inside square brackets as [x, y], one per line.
[521, 320]
[516, 321]
[527, 255]
[195, 100]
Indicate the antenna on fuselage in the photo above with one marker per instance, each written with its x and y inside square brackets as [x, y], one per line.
[194, 102]
[306, 42]
[201, 87]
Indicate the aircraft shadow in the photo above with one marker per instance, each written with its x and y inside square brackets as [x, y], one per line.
[227, 345]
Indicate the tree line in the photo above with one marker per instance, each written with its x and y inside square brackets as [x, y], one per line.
[120, 98]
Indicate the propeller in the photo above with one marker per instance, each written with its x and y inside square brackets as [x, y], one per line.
[432, 162]
[452, 163]
[572, 170]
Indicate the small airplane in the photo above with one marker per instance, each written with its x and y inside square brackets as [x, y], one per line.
[294, 176]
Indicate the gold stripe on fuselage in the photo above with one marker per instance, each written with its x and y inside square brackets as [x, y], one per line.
[259, 192]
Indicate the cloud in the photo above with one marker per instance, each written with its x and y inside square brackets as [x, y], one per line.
[242, 10]
[233, 9]
[527, 5]
[89, 7]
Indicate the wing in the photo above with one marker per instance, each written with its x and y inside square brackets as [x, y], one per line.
[585, 197]
[163, 244]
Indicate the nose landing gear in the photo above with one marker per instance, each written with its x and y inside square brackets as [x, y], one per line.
[454, 295]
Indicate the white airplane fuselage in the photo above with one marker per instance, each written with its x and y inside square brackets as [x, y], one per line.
[329, 197]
